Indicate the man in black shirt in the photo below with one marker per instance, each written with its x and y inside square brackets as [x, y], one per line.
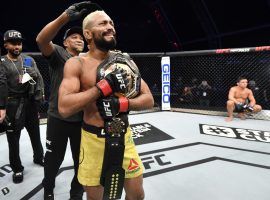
[3, 92]
[22, 95]
[59, 130]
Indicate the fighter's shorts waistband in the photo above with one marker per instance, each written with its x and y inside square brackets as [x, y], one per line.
[99, 131]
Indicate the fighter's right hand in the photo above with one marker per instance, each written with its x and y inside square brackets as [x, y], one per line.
[115, 81]
[76, 10]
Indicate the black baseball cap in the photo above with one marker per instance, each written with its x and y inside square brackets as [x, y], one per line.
[12, 35]
[72, 30]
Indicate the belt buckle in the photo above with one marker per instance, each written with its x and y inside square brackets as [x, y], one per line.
[115, 127]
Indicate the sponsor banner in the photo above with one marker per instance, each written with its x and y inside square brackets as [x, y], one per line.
[165, 79]
[237, 133]
[144, 133]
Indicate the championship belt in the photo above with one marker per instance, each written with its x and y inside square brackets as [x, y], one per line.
[123, 61]
[113, 175]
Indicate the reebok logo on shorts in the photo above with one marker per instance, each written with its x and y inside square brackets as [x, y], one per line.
[133, 167]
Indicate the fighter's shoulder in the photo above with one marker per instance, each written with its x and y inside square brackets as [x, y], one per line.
[74, 62]
[234, 88]
[248, 90]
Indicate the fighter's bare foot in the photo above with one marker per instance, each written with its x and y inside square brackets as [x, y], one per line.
[228, 119]
[241, 116]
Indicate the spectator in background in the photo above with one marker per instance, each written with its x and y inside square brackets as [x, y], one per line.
[194, 89]
[204, 91]
[154, 88]
[257, 92]
[194, 83]
[186, 96]
[254, 88]
[178, 86]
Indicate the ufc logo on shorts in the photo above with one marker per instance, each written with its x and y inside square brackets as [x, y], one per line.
[107, 109]
[14, 34]
[121, 81]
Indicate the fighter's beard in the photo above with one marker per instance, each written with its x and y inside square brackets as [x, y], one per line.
[105, 45]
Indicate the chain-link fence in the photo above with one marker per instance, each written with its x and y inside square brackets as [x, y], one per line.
[200, 80]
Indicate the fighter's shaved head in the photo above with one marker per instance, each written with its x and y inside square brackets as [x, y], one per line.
[89, 19]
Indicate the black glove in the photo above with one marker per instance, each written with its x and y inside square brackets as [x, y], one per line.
[76, 10]
[116, 81]
[248, 108]
[110, 106]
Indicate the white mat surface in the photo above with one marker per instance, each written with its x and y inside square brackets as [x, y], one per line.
[192, 166]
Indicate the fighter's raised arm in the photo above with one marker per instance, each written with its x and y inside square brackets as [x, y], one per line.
[48, 33]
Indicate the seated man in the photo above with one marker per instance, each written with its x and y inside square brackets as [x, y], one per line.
[238, 97]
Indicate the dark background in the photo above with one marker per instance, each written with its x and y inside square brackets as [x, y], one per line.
[154, 26]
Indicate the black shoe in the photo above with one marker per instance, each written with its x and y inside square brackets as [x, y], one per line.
[17, 177]
[39, 162]
[48, 196]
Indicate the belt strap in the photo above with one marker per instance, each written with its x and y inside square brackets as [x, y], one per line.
[113, 175]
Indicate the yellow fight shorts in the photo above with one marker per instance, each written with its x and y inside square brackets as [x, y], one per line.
[92, 153]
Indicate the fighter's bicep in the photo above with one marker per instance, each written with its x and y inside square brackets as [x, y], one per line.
[251, 96]
[231, 93]
[144, 87]
[71, 77]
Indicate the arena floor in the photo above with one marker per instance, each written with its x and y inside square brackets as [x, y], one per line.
[186, 156]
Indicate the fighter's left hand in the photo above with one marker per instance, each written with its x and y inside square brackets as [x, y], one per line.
[110, 106]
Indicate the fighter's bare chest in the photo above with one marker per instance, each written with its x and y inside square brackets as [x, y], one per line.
[88, 77]
[89, 73]
[242, 94]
